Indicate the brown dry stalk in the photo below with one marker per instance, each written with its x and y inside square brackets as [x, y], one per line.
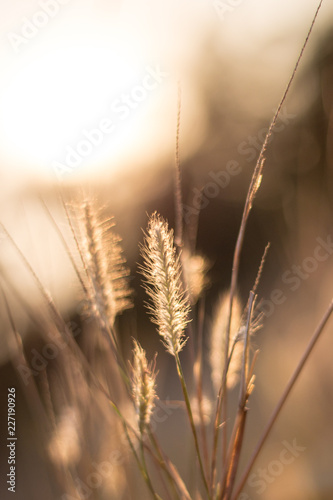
[254, 186]
[170, 469]
[197, 373]
[170, 307]
[284, 397]
[246, 388]
[178, 188]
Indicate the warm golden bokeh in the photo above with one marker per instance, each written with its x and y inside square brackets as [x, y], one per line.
[88, 110]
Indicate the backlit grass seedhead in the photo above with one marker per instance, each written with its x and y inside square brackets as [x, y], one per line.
[105, 264]
[162, 272]
[143, 385]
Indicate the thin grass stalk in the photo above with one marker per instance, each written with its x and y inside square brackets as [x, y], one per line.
[220, 328]
[248, 329]
[221, 395]
[236, 440]
[59, 321]
[197, 371]
[284, 397]
[170, 307]
[260, 270]
[190, 416]
[162, 464]
[254, 186]
[62, 327]
[167, 464]
[98, 287]
[175, 480]
[192, 227]
[179, 201]
[145, 471]
[237, 445]
[179, 206]
[107, 330]
[179, 243]
[142, 465]
[178, 189]
[69, 220]
[33, 399]
[105, 268]
[64, 243]
[245, 369]
[159, 469]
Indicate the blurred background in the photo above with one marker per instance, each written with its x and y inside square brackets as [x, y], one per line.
[88, 100]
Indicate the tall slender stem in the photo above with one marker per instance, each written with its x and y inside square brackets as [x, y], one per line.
[254, 186]
[145, 473]
[178, 189]
[284, 396]
[190, 416]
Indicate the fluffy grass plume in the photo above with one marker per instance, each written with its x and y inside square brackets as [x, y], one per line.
[162, 272]
[143, 385]
[105, 264]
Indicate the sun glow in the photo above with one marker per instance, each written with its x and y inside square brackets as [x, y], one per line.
[79, 82]
[56, 102]
[88, 88]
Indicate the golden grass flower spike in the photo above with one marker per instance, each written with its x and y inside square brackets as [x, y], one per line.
[143, 385]
[162, 272]
[105, 264]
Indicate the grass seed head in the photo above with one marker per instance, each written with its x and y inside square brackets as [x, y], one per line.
[162, 272]
[143, 385]
[105, 264]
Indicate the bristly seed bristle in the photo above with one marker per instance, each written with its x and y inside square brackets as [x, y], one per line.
[143, 385]
[162, 271]
[105, 265]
